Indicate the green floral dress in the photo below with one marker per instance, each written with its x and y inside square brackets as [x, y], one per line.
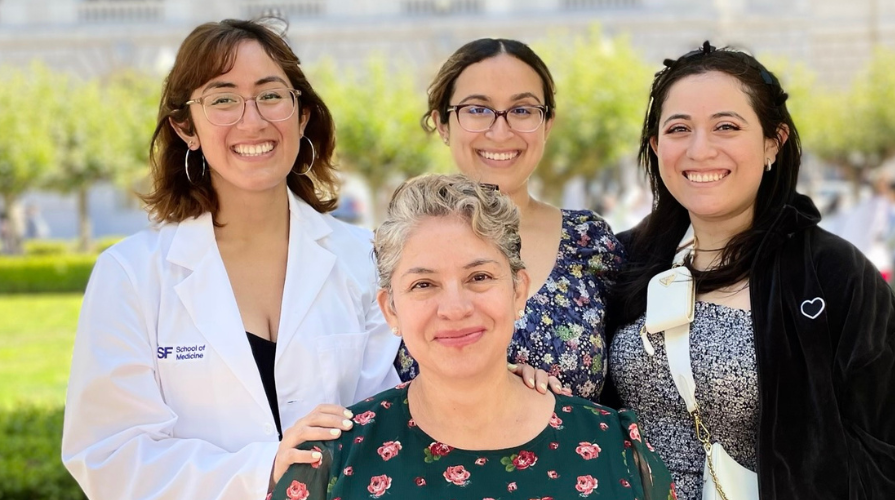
[586, 451]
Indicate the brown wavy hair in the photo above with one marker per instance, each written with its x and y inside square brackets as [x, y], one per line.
[210, 51]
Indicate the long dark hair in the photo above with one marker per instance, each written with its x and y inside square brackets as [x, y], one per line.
[209, 51]
[653, 242]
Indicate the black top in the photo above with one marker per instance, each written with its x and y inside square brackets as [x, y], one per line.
[265, 352]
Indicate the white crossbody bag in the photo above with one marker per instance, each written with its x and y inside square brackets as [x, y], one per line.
[670, 303]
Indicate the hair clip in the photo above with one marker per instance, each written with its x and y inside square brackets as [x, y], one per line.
[707, 48]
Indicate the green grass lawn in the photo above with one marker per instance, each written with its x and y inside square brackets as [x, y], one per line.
[36, 337]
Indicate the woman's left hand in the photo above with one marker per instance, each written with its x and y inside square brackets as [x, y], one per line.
[538, 379]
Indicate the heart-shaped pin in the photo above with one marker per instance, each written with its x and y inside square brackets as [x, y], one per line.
[812, 308]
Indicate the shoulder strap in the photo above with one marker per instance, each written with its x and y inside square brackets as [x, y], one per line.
[677, 340]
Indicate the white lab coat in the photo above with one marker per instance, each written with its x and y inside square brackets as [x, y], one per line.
[165, 399]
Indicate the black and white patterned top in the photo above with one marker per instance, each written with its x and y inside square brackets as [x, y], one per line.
[722, 354]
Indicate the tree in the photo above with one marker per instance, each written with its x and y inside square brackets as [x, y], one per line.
[377, 124]
[602, 91]
[101, 135]
[27, 152]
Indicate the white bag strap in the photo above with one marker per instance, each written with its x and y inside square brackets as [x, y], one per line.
[677, 340]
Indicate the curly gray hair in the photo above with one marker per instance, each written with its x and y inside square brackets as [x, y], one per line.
[490, 214]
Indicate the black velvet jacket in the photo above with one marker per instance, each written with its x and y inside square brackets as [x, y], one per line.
[824, 325]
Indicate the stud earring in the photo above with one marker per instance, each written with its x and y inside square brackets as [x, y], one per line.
[395, 331]
[520, 313]
[767, 165]
[444, 139]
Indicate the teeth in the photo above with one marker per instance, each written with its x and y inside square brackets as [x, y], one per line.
[498, 156]
[697, 177]
[253, 149]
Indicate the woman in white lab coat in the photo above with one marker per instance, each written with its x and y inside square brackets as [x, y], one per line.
[246, 310]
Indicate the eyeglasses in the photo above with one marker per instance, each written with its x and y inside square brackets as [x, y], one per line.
[478, 118]
[227, 108]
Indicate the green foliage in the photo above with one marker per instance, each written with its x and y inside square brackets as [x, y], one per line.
[377, 114]
[47, 247]
[36, 338]
[602, 91]
[42, 274]
[30, 466]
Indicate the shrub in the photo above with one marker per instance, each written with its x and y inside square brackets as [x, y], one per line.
[100, 245]
[47, 247]
[30, 463]
[40, 274]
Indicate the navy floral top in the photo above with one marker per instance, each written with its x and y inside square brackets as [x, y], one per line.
[585, 451]
[562, 329]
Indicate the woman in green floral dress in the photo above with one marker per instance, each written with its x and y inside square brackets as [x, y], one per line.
[452, 284]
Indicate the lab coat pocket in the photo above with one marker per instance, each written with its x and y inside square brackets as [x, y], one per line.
[341, 361]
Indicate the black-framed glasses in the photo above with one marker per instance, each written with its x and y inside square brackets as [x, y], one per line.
[227, 108]
[479, 118]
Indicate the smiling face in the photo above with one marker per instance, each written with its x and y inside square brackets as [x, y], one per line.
[454, 304]
[711, 148]
[499, 155]
[253, 154]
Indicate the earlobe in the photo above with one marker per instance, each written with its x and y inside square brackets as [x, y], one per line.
[386, 305]
[654, 144]
[442, 128]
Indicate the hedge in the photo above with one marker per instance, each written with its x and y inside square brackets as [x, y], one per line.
[45, 273]
[30, 463]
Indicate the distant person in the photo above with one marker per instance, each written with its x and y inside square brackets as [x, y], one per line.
[492, 103]
[466, 428]
[248, 313]
[792, 338]
[35, 225]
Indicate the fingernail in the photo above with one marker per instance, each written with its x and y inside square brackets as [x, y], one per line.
[335, 432]
[316, 455]
[348, 413]
[531, 382]
[346, 423]
[511, 366]
[542, 386]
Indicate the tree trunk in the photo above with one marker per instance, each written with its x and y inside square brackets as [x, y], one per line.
[84, 229]
[12, 228]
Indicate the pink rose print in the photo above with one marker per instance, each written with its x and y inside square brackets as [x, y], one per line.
[586, 485]
[587, 450]
[481, 461]
[389, 450]
[435, 451]
[316, 465]
[348, 470]
[420, 481]
[457, 475]
[567, 409]
[411, 423]
[604, 426]
[624, 482]
[604, 412]
[524, 460]
[634, 432]
[648, 446]
[627, 443]
[268, 496]
[378, 485]
[364, 418]
[554, 445]
[552, 474]
[368, 400]
[358, 439]
[402, 385]
[512, 486]
[386, 404]
[297, 491]
[673, 492]
[555, 422]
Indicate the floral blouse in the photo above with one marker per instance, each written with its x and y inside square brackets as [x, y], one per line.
[586, 451]
[562, 329]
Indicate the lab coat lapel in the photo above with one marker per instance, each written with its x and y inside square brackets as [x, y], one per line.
[208, 298]
[307, 268]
